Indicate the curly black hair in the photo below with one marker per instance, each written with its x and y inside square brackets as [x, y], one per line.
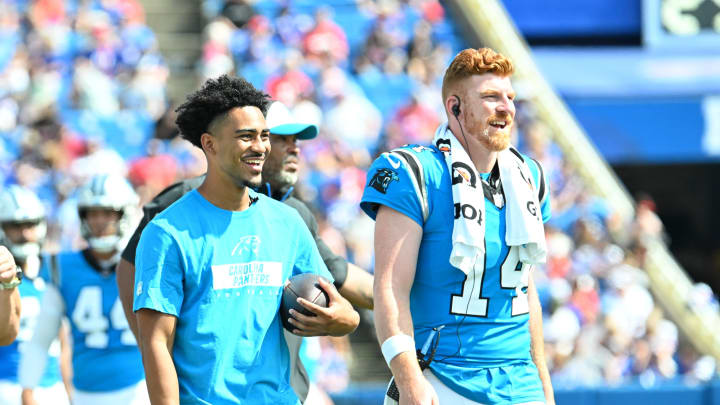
[216, 97]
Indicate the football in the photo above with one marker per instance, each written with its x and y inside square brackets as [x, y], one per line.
[305, 286]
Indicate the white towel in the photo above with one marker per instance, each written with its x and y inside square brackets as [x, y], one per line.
[522, 214]
[523, 217]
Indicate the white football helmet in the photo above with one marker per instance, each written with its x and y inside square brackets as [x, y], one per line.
[113, 192]
[17, 205]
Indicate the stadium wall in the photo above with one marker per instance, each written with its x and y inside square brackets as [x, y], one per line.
[667, 394]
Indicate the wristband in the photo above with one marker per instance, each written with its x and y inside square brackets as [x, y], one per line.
[14, 282]
[395, 345]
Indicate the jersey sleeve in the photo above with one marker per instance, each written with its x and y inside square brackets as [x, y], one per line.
[307, 259]
[158, 272]
[391, 183]
[543, 188]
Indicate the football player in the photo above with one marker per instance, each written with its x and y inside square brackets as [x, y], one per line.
[459, 227]
[107, 367]
[22, 229]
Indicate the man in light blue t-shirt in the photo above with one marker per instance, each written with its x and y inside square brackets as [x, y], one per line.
[210, 269]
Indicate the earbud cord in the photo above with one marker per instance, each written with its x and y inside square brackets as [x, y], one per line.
[456, 113]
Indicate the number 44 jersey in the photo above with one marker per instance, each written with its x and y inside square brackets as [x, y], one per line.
[105, 353]
[485, 313]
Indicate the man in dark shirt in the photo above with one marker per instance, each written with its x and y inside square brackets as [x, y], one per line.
[279, 177]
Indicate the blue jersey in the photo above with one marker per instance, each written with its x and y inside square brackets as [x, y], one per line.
[105, 355]
[221, 273]
[31, 295]
[485, 318]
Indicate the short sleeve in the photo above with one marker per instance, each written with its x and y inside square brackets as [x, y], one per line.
[307, 258]
[542, 186]
[545, 205]
[163, 200]
[158, 272]
[390, 183]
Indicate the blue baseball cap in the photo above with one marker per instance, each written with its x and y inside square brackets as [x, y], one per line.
[281, 122]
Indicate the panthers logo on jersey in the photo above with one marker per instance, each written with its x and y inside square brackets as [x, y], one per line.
[382, 179]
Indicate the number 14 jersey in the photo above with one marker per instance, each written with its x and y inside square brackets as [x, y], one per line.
[485, 313]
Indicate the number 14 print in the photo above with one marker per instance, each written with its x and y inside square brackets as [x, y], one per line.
[514, 275]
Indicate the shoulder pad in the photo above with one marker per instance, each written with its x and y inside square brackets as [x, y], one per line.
[411, 155]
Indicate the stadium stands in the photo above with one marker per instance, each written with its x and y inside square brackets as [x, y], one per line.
[83, 89]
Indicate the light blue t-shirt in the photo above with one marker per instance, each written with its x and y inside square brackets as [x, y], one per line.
[31, 294]
[105, 355]
[486, 321]
[221, 273]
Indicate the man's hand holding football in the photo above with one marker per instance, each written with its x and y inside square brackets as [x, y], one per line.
[338, 319]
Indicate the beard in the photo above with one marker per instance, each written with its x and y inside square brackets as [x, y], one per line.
[282, 179]
[496, 142]
[278, 177]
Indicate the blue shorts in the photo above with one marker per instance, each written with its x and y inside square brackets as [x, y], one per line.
[516, 383]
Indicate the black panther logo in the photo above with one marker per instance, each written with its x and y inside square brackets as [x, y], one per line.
[382, 179]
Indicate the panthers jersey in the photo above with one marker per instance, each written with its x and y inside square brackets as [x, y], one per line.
[105, 354]
[30, 294]
[485, 313]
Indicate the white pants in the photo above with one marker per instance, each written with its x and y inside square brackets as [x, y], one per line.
[446, 396]
[133, 395]
[11, 394]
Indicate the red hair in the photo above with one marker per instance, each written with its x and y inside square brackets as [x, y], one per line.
[475, 62]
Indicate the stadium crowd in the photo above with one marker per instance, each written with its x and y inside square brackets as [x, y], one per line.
[82, 92]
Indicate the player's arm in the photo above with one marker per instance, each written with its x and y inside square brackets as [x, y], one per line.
[125, 271]
[354, 283]
[33, 358]
[358, 287]
[157, 336]
[397, 240]
[158, 297]
[66, 371]
[125, 277]
[9, 315]
[9, 299]
[537, 344]
[339, 317]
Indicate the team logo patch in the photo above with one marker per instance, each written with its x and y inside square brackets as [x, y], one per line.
[249, 244]
[382, 179]
[443, 145]
[462, 173]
